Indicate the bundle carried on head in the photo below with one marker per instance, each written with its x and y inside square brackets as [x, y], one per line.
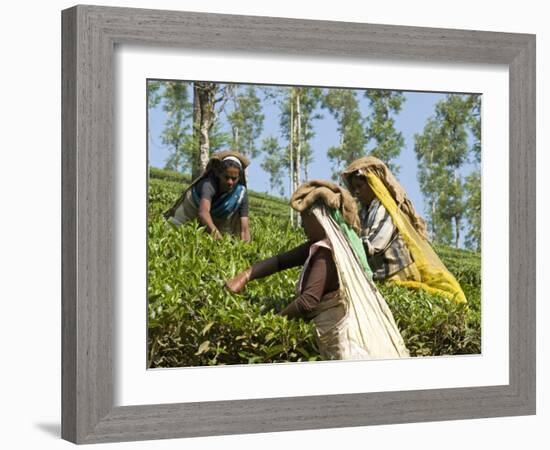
[370, 164]
[331, 195]
[220, 156]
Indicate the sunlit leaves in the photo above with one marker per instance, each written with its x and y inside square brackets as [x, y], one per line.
[193, 320]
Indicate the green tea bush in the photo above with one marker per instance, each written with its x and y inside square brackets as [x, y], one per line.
[193, 320]
[168, 175]
[464, 264]
[432, 325]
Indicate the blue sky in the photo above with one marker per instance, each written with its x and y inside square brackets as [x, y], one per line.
[416, 109]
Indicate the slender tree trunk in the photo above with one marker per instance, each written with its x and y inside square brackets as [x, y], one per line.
[297, 142]
[236, 138]
[433, 218]
[206, 99]
[204, 149]
[339, 160]
[457, 231]
[433, 201]
[457, 216]
[291, 156]
[235, 127]
[196, 132]
[177, 151]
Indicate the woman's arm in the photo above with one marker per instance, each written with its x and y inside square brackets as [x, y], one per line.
[206, 219]
[245, 229]
[295, 257]
[259, 270]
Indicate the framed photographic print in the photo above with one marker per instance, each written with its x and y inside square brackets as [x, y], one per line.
[336, 126]
[190, 146]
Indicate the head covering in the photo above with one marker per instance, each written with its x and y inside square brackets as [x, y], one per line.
[214, 164]
[223, 154]
[332, 195]
[340, 205]
[370, 164]
[234, 159]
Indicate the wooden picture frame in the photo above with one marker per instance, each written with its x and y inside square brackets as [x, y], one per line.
[90, 34]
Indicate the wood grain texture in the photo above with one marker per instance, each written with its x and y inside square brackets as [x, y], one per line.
[522, 223]
[89, 36]
[68, 227]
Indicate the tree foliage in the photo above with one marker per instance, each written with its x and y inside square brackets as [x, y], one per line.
[153, 93]
[246, 120]
[208, 102]
[387, 142]
[472, 188]
[191, 129]
[441, 150]
[473, 181]
[309, 100]
[176, 104]
[344, 106]
[203, 117]
[273, 163]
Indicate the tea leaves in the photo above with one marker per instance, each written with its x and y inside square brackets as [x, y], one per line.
[193, 320]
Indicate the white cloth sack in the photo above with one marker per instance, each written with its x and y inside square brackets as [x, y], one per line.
[356, 323]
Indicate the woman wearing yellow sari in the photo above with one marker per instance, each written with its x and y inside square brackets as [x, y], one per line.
[394, 235]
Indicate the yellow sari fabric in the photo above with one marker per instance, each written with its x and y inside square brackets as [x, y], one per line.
[435, 277]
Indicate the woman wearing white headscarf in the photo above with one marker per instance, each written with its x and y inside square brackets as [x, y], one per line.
[218, 198]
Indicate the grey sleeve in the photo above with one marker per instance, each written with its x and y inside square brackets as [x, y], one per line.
[243, 210]
[380, 232]
[207, 190]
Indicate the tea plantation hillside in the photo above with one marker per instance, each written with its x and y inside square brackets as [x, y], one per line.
[194, 320]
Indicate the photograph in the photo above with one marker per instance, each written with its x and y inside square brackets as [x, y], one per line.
[310, 223]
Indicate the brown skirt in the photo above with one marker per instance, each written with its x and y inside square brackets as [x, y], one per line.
[329, 317]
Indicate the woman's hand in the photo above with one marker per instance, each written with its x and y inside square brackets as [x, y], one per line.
[237, 283]
[206, 219]
[259, 270]
[245, 229]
